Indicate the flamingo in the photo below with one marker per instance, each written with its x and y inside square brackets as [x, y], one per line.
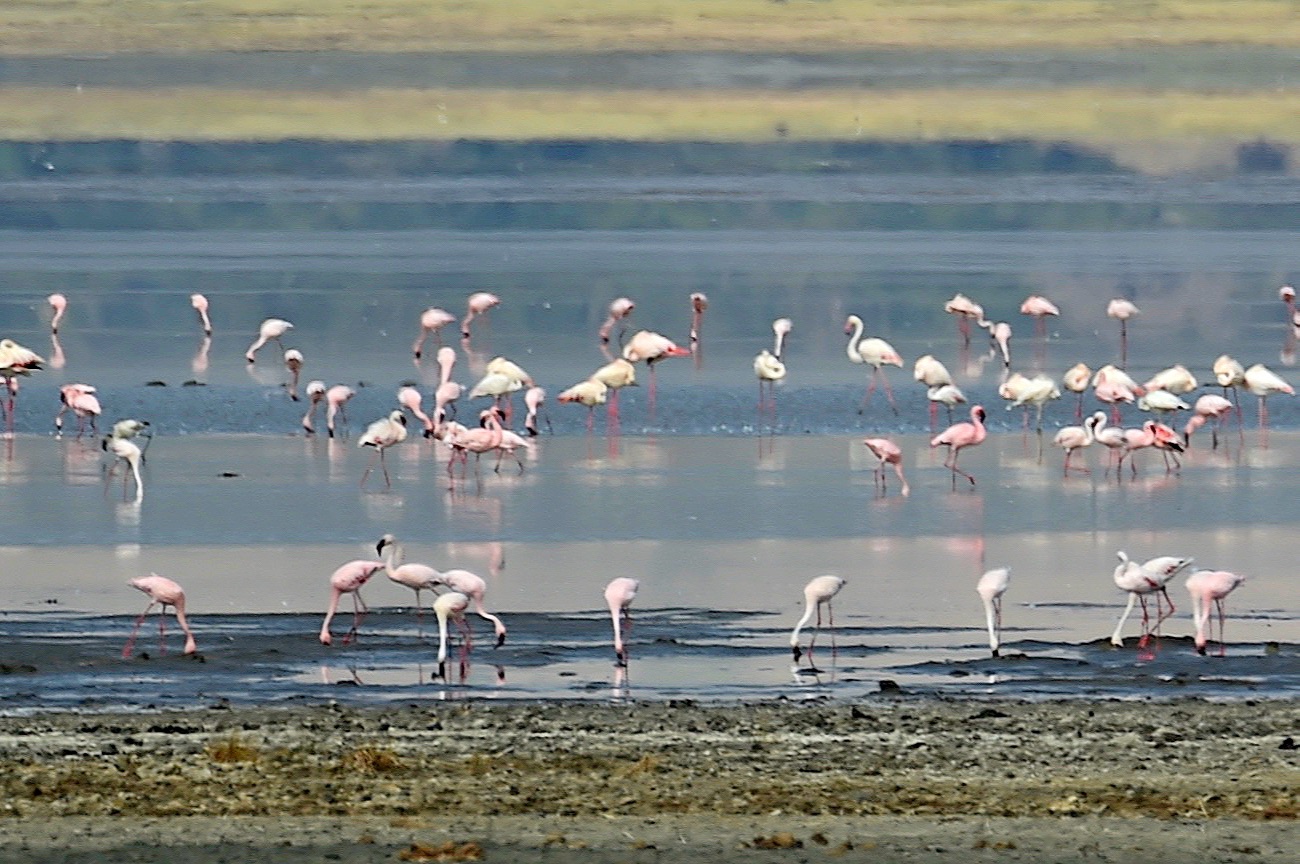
[651, 347]
[477, 304]
[15, 362]
[1162, 402]
[451, 605]
[619, 594]
[966, 310]
[1000, 337]
[534, 398]
[887, 453]
[615, 375]
[1036, 391]
[1076, 380]
[1139, 580]
[483, 439]
[590, 393]
[1122, 310]
[382, 434]
[817, 593]
[932, 374]
[1152, 434]
[1113, 438]
[875, 353]
[1176, 379]
[1206, 587]
[769, 369]
[270, 330]
[200, 305]
[315, 394]
[80, 399]
[1039, 308]
[1071, 438]
[162, 592]
[421, 576]
[348, 579]
[619, 310]
[1114, 386]
[293, 362]
[699, 303]
[1230, 374]
[132, 428]
[991, 586]
[409, 398]
[1263, 382]
[59, 304]
[432, 320]
[511, 443]
[448, 390]
[127, 451]
[1287, 295]
[958, 436]
[1208, 407]
[336, 399]
[947, 395]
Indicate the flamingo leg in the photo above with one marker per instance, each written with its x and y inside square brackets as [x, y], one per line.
[953, 453]
[1146, 622]
[889, 393]
[130, 642]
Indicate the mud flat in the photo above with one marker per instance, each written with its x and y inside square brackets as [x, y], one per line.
[923, 780]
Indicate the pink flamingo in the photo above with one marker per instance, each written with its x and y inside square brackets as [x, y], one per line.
[1206, 587]
[270, 331]
[80, 399]
[124, 450]
[162, 592]
[991, 587]
[1071, 438]
[1113, 387]
[1263, 382]
[534, 398]
[1152, 434]
[1122, 310]
[699, 303]
[315, 394]
[1207, 407]
[1139, 580]
[200, 304]
[619, 310]
[966, 310]
[432, 320]
[478, 441]
[1230, 375]
[1039, 308]
[448, 390]
[293, 361]
[932, 374]
[348, 579]
[590, 393]
[336, 399]
[59, 304]
[15, 362]
[651, 347]
[887, 453]
[817, 593]
[419, 577]
[1000, 337]
[875, 353]
[1076, 380]
[451, 606]
[619, 594]
[409, 398]
[615, 375]
[478, 304]
[958, 436]
[382, 434]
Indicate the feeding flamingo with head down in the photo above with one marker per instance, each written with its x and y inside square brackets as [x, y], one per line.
[162, 592]
[348, 579]
[619, 310]
[432, 320]
[1210, 587]
[619, 594]
[887, 453]
[991, 586]
[1141, 580]
[477, 304]
[270, 330]
[819, 592]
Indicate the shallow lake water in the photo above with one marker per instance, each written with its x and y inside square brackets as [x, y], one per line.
[721, 511]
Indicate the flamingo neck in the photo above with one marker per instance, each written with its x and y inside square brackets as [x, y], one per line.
[854, 339]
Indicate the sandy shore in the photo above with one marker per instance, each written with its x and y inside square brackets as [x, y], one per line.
[879, 780]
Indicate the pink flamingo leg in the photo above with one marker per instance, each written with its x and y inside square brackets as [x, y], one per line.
[359, 609]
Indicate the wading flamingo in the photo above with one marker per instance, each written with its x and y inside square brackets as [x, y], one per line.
[615, 375]
[15, 362]
[432, 320]
[478, 441]
[1000, 339]
[162, 592]
[958, 436]
[966, 310]
[1038, 308]
[991, 587]
[932, 374]
[769, 369]
[1206, 587]
[382, 434]
[650, 347]
[409, 398]
[1263, 382]
[451, 606]
[315, 394]
[887, 453]
[1162, 402]
[590, 393]
[336, 400]
[1071, 438]
[419, 577]
[1230, 374]
[200, 305]
[946, 395]
[127, 451]
[619, 310]
[1176, 379]
[1209, 407]
[270, 330]
[80, 399]
[348, 579]
[619, 594]
[699, 303]
[875, 353]
[1152, 434]
[817, 593]
[1076, 380]
[477, 304]
[59, 304]
[293, 362]
[534, 399]
[1139, 580]
[1122, 310]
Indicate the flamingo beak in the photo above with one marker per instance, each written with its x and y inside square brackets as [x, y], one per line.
[797, 653]
[501, 640]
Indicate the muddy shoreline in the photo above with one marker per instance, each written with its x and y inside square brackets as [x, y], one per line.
[921, 779]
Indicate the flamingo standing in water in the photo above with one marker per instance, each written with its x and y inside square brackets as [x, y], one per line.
[619, 310]
[1230, 374]
[477, 304]
[932, 375]
[887, 453]
[336, 399]
[534, 399]
[162, 592]
[817, 593]
[293, 361]
[200, 305]
[1206, 587]
[420, 577]
[448, 390]
[127, 451]
[1076, 380]
[80, 399]
[270, 330]
[451, 606]
[1122, 310]
[59, 304]
[1139, 580]
[1038, 308]
[1152, 434]
[382, 434]
[961, 435]
[478, 441]
[409, 398]
[875, 353]
[1208, 407]
[590, 393]
[615, 375]
[1263, 382]
[1071, 438]
[619, 594]
[432, 320]
[1000, 340]
[348, 579]
[769, 369]
[991, 587]
[1287, 295]
[651, 347]
[699, 303]
[15, 362]
[315, 395]
[966, 310]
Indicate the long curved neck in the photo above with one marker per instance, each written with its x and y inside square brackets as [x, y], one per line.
[616, 615]
[442, 635]
[854, 339]
[803, 622]
[990, 617]
[392, 559]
